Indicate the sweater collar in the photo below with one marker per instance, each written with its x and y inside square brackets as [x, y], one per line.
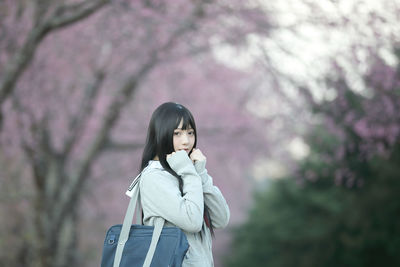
[155, 164]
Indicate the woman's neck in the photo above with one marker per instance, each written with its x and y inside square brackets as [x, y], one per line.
[156, 158]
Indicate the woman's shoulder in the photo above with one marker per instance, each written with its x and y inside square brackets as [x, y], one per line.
[154, 172]
[152, 175]
[154, 167]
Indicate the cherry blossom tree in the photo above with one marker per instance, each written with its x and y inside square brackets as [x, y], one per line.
[78, 114]
[45, 17]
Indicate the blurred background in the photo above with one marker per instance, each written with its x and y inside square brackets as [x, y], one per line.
[297, 105]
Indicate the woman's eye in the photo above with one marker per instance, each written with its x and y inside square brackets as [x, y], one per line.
[176, 133]
[191, 133]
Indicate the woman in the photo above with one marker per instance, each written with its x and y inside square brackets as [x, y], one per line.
[175, 184]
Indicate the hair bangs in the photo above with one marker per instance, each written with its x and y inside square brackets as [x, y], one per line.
[187, 121]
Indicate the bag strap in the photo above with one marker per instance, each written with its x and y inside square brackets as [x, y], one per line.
[158, 226]
[124, 235]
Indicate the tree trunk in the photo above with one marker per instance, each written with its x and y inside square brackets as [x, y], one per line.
[57, 247]
[54, 244]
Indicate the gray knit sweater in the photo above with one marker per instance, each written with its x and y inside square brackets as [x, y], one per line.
[160, 197]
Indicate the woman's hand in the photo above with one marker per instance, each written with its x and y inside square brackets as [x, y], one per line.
[197, 155]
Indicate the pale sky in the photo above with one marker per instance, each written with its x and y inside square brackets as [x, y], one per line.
[312, 43]
[304, 53]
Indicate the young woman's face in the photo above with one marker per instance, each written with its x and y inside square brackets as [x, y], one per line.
[184, 139]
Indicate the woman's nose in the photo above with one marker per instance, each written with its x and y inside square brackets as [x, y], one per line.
[185, 139]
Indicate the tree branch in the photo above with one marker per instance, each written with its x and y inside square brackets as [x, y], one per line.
[123, 96]
[66, 15]
[78, 122]
[123, 147]
[25, 54]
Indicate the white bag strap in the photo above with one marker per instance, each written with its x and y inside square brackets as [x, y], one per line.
[126, 226]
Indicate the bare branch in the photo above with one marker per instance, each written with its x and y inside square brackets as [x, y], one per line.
[121, 147]
[25, 54]
[78, 122]
[123, 96]
[278, 77]
[66, 15]
[71, 194]
[41, 7]
[20, 61]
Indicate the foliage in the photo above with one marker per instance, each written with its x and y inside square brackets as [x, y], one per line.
[344, 210]
[321, 224]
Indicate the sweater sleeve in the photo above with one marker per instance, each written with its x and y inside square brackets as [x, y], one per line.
[160, 195]
[213, 198]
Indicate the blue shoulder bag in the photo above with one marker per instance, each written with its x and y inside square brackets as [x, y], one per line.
[138, 245]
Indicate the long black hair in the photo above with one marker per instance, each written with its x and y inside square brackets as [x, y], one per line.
[159, 142]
